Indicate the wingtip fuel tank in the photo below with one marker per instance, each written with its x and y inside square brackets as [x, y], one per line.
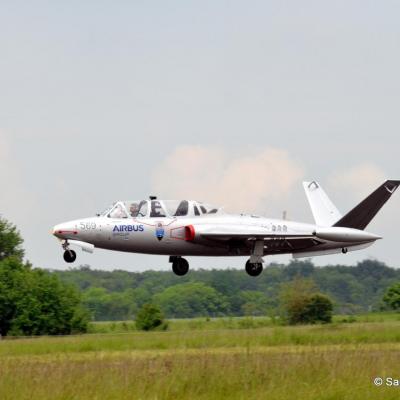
[339, 234]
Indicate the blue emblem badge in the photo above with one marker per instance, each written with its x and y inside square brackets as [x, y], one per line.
[159, 231]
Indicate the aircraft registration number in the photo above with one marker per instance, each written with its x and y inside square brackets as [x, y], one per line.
[85, 226]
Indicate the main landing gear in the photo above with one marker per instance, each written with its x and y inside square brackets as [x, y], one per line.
[180, 266]
[254, 269]
[69, 255]
[254, 266]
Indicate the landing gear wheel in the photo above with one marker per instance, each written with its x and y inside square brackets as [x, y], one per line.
[254, 269]
[180, 266]
[69, 256]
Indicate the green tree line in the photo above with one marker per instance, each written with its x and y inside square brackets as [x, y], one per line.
[34, 301]
[118, 295]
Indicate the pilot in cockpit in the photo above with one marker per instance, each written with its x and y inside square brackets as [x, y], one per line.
[134, 210]
[117, 212]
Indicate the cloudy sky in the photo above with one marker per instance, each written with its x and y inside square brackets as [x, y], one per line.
[229, 102]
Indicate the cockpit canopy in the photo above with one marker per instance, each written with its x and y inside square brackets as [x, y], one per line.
[159, 209]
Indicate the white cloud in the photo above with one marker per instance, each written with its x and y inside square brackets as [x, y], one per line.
[240, 183]
[358, 181]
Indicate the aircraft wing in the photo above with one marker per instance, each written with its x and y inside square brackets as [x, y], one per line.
[238, 231]
[276, 242]
[252, 236]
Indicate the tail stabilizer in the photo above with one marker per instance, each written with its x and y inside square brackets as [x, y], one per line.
[324, 211]
[362, 214]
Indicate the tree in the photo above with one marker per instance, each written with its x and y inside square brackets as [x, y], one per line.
[302, 304]
[149, 318]
[319, 308]
[192, 299]
[299, 268]
[10, 241]
[114, 306]
[97, 301]
[254, 303]
[392, 297]
[34, 302]
[353, 288]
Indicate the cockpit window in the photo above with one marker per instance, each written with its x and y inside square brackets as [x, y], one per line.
[182, 209]
[159, 209]
[107, 210]
[137, 209]
[118, 212]
[209, 209]
[134, 209]
[156, 209]
[142, 209]
[176, 208]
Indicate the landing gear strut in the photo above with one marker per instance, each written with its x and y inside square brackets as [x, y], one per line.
[254, 269]
[69, 256]
[254, 265]
[180, 266]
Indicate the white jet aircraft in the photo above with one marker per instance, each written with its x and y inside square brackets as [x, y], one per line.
[189, 228]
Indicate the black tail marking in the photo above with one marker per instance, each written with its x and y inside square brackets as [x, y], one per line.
[362, 214]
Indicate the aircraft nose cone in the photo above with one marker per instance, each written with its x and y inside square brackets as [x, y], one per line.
[64, 230]
[55, 230]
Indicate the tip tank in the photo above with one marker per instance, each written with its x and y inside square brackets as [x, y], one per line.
[339, 234]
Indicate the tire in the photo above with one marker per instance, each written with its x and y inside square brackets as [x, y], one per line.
[180, 266]
[69, 256]
[254, 269]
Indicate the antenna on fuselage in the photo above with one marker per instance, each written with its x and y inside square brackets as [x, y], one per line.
[153, 197]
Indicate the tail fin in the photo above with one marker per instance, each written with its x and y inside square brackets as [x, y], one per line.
[361, 215]
[323, 210]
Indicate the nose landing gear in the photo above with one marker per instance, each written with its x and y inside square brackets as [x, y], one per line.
[69, 256]
[180, 266]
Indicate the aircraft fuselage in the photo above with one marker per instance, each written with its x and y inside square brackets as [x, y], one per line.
[167, 236]
[189, 228]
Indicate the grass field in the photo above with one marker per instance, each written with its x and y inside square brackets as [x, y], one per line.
[231, 323]
[215, 359]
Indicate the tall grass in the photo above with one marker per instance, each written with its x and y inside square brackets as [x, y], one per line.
[187, 324]
[245, 374]
[337, 361]
[356, 333]
[231, 322]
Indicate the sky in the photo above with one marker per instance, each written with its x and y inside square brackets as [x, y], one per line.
[229, 102]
